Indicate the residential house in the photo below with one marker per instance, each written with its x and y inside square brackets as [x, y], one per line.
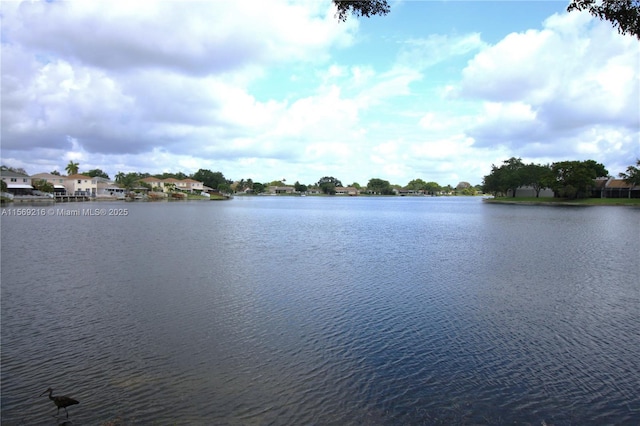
[17, 183]
[346, 190]
[605, 187]
[108, 188]
[405, 192]
[172, 184]
[78, 184]
[615, 188]
[281, 189]
[194, 185]
[155, 183]
[56, 180]
[181, 185]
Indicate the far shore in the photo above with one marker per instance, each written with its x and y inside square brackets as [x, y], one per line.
[530, 201]
[547, 201]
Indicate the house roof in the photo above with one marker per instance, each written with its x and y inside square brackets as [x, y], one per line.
[151, 180]
[618, 184]
[47, 176]
[9, 173]
[600, 183]
[78, 176]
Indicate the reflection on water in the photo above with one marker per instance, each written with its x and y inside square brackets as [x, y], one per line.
[324, 310]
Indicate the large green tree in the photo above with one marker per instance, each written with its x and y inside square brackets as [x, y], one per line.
[632, 175]
[96, 172]
[211, 179]
[491, 183]
[575, 179]
[432, 188]
[225, 188]
[300, 187]
[258, 188]
[536, 176]
[328, 184]
[505, 178]
[416, 185]
[622, 14]
[512, 174]
[379, 186]
[42, 185]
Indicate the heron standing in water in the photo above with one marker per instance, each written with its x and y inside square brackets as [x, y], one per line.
[60, 401]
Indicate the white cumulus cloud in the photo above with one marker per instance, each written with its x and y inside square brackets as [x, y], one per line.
[561, 90]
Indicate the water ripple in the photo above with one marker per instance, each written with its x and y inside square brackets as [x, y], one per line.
[324, 311]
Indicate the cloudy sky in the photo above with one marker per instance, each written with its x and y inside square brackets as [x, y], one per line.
[281, 89]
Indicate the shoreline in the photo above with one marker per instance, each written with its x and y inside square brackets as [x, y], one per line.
[585, 202]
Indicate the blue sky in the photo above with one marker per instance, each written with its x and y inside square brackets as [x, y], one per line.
[435, 90]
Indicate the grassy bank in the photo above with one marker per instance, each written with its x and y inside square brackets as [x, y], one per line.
[566, 202]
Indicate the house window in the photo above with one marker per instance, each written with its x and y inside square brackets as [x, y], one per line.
[79, 180]
[14, 180]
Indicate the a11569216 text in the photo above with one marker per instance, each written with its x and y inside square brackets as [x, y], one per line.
[55, 211]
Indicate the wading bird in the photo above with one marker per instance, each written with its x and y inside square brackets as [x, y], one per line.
[60, 401]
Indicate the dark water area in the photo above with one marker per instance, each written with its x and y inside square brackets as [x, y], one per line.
[327, 311]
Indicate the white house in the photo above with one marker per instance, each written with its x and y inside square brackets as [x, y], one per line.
[155, 183]
[81, 185]
[56, 180]
[194, 185]
[17, 183]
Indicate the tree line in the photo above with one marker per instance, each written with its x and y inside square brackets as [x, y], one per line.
[326, 185]
[567, 179]
[329, 185]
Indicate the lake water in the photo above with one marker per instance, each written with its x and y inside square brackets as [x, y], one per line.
[322, 310]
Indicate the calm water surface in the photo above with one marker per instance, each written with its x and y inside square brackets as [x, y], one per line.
[328, 311]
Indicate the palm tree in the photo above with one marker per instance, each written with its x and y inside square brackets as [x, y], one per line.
[72, 168]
